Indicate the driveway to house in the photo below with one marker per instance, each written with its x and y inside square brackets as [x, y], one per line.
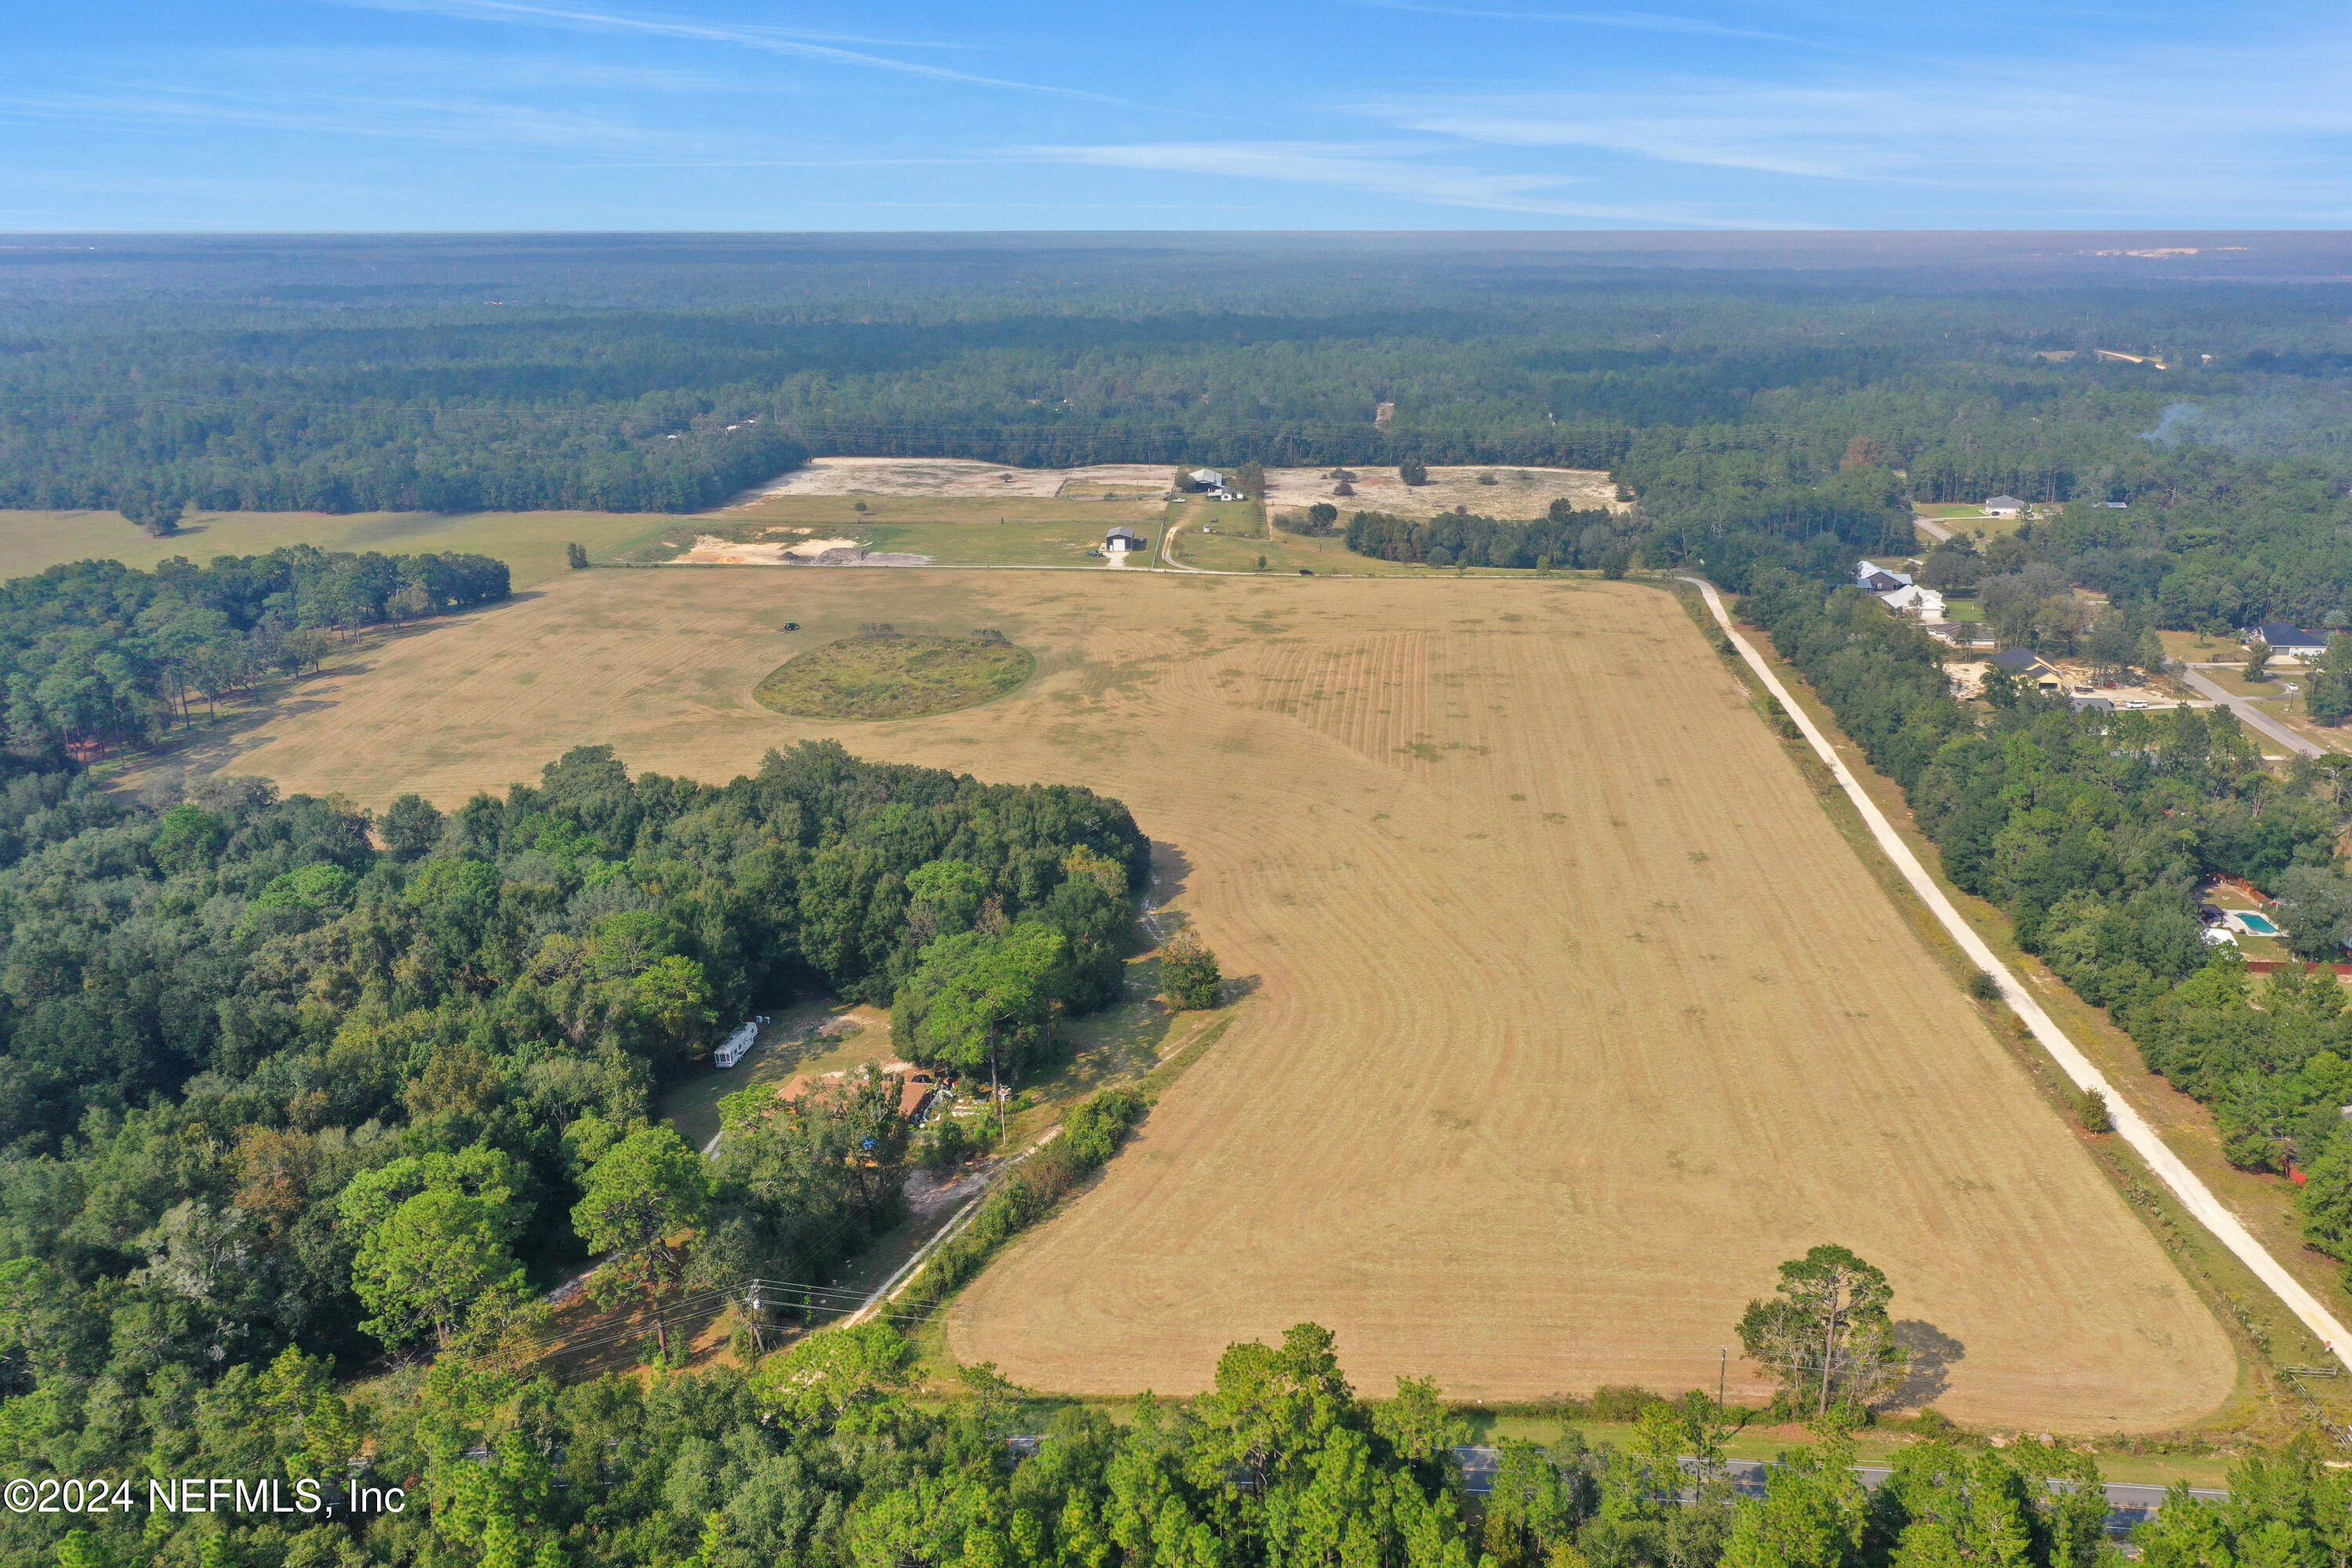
[1935, 531]
[2263, 722]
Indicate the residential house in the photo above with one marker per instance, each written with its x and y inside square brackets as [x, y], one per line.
[1925, 603]
[2291, 642]
[2029, 668]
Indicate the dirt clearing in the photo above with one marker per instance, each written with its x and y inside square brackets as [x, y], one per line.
[959, 477]
[1493, 491]
[1513, 493]
[1569, 1013]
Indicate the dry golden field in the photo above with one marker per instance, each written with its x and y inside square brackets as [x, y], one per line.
[1569, 1014]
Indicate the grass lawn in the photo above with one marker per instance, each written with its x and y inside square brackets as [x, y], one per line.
[1064, 543]
[2295, 716]
[530, 542]
[816, 1036]
[1965, 520]
[1123, 1044]
[2234, 682]
[2196, 647]
[1964, 610]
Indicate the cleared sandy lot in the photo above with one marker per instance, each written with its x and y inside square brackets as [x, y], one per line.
[1569, 1013]
[955, 477]
[776, 547]
[1516, 492]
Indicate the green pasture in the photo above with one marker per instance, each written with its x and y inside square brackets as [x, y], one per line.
[530, 542]
[1061, 544]
[891, 675]
[789, 1043]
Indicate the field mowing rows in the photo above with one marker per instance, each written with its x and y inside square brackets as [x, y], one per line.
[1569, 1013]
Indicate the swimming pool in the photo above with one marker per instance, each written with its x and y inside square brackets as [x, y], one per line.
[2258, 924]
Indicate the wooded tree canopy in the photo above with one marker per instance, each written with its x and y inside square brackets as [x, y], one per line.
[270, 1090]
[97, 655]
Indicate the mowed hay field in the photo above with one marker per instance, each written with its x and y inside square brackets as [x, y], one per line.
[1569, 1013]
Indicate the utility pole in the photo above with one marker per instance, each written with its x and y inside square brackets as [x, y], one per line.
[995, 1093]
[752, 1307]
[1722, 1375]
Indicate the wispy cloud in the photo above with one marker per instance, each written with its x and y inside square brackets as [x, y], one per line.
[1396, 172]
[770, 40]
[1632, 21]
[2264, 130]
[409, 117]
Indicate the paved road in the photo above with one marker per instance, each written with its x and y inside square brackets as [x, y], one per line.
[2252, 715]
[2199, 1199]
[1935, 531]
[2128, 1503]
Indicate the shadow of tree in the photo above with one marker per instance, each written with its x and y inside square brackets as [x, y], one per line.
[1169, 868]
[1933, 1352]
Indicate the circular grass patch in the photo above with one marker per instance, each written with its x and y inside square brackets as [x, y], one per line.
[885, 674]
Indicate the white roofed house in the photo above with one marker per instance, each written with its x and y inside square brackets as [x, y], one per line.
[2004, 506]
[1207, 479]
[1912, 599]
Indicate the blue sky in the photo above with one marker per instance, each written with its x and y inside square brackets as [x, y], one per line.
[1355, 115]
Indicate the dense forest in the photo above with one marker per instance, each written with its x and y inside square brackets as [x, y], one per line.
[820, 1457]
[286, 1090]
[95, 655]
[1734, 389]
